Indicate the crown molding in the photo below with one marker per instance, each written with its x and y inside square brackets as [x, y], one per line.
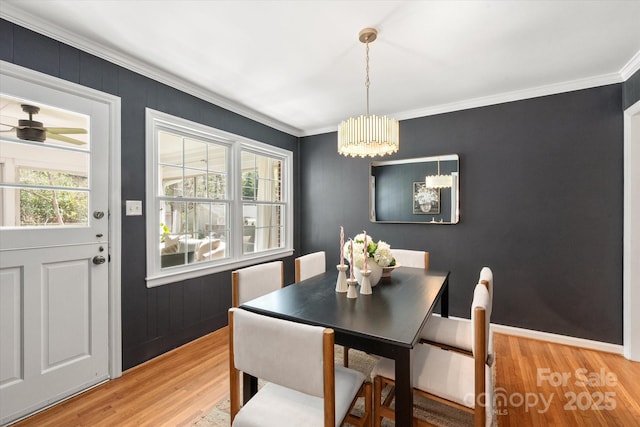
[517, 95]
[501, 98]
[631, 67]
[19, 17]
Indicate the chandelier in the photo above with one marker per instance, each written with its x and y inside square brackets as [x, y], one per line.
[438, 181]
[368, 135]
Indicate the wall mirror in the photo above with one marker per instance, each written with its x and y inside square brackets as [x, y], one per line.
[422, 190]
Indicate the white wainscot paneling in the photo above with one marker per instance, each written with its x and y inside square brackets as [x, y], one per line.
[66, 313]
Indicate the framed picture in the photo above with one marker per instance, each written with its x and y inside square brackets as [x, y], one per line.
[425, 200]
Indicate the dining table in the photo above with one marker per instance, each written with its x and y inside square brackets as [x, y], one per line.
[386, 323]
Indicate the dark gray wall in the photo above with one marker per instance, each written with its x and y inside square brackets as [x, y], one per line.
[158, 319]
[541, 204]
[631, 91]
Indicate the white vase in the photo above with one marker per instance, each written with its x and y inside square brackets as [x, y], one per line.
[374, 278]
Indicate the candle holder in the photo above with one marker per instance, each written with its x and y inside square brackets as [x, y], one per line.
[341, 283]
[365, 286]
[352, 293]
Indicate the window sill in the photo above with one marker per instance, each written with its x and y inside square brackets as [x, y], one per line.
[166, 278]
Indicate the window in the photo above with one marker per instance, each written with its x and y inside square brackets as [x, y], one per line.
[215, 200]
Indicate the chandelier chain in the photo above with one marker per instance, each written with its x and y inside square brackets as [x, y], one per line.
[367, 81]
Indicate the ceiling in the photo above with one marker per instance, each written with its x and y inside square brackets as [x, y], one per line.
[298, 65]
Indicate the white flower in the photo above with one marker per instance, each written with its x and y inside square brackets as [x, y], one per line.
[425, 196]
[379, 252]
[383, 255]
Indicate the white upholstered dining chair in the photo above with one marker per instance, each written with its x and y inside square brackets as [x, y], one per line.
[455, 379]
[411, 258]
[455, 334]
[310, 265]
[303, 385]
[251, 282]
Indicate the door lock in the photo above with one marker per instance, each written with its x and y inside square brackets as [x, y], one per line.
[99, 259]
[98, 214]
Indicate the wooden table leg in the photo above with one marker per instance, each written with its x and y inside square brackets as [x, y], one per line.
[404, 387]
[444, 300]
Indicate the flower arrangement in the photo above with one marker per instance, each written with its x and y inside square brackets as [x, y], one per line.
[425, 196]
[379, 252]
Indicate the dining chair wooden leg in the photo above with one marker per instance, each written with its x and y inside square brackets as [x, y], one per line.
[382, 408]
[345, 357]
[368, 404]
[367, 416]
[377, 396]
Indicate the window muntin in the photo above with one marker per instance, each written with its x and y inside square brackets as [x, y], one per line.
[221, 200]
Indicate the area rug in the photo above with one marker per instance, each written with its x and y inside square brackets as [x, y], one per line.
[433, 412]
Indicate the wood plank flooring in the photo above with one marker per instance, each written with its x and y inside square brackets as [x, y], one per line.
[579, 387]
[175, 389]
[543, 384]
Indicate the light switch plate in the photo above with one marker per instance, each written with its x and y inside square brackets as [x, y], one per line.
[134, 207]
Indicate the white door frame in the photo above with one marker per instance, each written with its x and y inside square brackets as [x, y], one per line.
[115, 220]
[631, 234]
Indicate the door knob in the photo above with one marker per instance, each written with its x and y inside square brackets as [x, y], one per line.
[99, 259]
[98, 214]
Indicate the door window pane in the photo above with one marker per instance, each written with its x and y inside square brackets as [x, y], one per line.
[52, 207]
[37, 177]
[44, 174]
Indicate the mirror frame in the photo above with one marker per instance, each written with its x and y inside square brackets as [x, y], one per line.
[455, 188]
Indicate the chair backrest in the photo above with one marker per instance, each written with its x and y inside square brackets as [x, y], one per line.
[251, 282]
[258, 344]
[411, 258]
[480, 319]
[486, 278]
[479, 338]
[310, 265]
[487, 274]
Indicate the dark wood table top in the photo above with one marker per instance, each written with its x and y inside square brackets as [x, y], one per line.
[392, 316]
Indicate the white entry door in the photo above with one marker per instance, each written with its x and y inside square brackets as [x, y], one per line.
[54, 275]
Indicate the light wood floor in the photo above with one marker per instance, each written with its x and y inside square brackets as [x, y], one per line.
[178, 388]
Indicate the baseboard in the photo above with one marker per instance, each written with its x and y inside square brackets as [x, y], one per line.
[554, 338]
[558, 339]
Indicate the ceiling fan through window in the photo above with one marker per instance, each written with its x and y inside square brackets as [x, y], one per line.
[32, 130]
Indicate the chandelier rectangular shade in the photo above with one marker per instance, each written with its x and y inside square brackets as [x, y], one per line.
[438, 181]
[368, 136]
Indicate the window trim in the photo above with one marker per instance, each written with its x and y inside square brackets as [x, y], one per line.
[235, 144]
